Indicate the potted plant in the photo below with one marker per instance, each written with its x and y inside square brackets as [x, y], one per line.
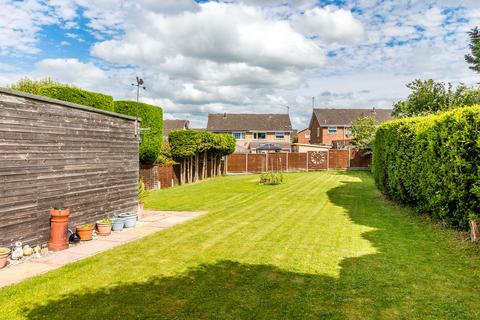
[104, 227]
[130, 219]
[142, 194]
[118, 223]
[4, 253]
[85, 231]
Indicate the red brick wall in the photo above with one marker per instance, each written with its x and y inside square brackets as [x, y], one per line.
[304, 136]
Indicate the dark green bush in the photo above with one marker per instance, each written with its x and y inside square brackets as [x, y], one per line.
[433, 163]
[76, 95]
[152, 118]
[186, 143]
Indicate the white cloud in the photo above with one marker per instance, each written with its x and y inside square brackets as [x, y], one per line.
[330, 24]
[218, 32]
[71, 71]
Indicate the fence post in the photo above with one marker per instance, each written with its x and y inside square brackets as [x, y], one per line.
[246, 162]
[266, 161]
[328, 159]
[349, 159]
[287, 160]
[307, 159]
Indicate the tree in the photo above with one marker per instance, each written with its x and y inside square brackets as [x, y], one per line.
[428, 97]
[473, 58]
[363, 132]
[32, 86]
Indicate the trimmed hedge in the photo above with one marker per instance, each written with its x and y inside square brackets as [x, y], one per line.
[433, 163]
[152, 117]
[186, 143]
[76, 95]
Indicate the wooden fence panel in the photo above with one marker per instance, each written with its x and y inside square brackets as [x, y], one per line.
[317, 160]
[256, 162]
[277, 161]
[297, 161]
[57, 153]
[338, 159]
[237, 163]
[360, 159]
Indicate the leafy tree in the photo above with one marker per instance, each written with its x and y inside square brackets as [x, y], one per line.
[428, 97]
[473, 58]
[32, 86]
[363, 131]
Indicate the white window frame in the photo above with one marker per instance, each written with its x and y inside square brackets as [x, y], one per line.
[242, 134]
[318, 132]
[280, 138]
[330, 130]
[255, 136]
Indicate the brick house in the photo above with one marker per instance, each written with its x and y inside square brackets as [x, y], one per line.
[254, 132]
[303, 136]
[332, 127]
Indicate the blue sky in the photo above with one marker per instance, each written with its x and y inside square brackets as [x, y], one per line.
[249, 56]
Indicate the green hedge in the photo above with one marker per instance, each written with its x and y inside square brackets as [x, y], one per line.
[152, 117]
[76, 95]
[186, 143]
[433, 163]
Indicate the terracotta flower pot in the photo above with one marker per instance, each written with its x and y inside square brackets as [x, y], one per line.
[85, 232]
[104, 228]
[4, 253]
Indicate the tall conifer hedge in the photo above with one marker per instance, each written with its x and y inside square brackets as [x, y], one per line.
[433, 163]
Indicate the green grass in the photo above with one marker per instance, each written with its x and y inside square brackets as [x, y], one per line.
[322, 245]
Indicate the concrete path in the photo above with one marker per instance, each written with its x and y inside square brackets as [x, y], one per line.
[151, 222]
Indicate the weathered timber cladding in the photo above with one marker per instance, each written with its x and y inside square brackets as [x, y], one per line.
[52, 153]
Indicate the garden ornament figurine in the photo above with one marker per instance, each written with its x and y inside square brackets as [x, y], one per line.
[17, 252]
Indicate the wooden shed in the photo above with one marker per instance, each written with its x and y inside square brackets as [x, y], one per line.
[58, 153]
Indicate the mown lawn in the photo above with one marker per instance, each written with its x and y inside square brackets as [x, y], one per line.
[323, 245]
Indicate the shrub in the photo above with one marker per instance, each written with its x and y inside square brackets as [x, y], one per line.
[187, 143]
[32, 86]
[152, 118]
[76, 95]
[271, 178]
[433, 163]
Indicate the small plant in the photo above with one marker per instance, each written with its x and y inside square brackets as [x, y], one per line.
[4, 250]
[271, 178]
[105, 221]
[86, 226]
[142, 192]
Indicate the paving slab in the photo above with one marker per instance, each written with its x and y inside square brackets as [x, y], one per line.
[151, 222]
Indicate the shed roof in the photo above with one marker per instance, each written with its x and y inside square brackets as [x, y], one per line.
[171, 125]
[248, 121]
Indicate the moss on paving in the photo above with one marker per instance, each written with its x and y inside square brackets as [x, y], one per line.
[323, 245]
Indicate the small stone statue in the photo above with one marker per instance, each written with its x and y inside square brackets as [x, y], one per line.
[27, 251]
[17, 252]
[37, 251]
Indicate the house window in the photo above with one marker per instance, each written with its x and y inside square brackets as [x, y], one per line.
[239, 135]
[307, 135]
[332, 130]
[318, 132]
[259, 135]
[279, 135]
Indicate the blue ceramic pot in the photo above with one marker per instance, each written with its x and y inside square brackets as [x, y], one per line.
[130, 219]
[118, 224]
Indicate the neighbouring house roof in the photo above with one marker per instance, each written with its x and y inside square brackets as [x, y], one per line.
[303, 130]
[171, 125]
[248, 122]
[344, 117]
